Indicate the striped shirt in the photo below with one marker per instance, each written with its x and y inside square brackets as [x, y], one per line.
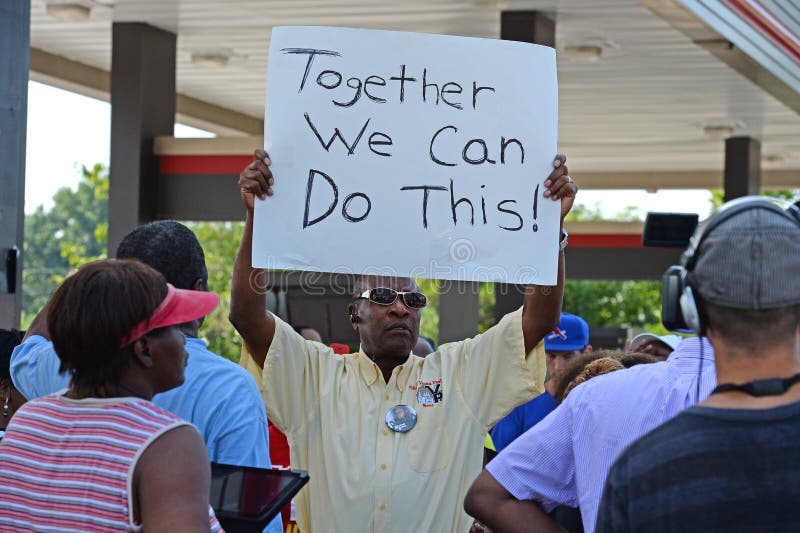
[565, 458]
[67, 465]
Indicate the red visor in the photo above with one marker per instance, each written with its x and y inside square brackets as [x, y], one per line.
[179, 306]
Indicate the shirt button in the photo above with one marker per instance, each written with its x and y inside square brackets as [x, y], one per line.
[388, 397]
[382, 507]
[385, 432]
[383, 467]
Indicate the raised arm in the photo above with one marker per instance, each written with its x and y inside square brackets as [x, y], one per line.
[542, 306]
[248, 312]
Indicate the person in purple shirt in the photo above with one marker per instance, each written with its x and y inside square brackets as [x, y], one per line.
[565, 458]
[567, 341]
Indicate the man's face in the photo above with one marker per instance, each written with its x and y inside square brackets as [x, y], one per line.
[558, 360]
[310, 334]
[387, 330]
[653, 347]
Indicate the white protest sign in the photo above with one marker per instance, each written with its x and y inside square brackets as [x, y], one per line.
[409, 154]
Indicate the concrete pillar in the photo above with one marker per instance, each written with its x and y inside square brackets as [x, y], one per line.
[458, 310]
[142, 107]
[15, 24]
[742, 167]
[528, 27]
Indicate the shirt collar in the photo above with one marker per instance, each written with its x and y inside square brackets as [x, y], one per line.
[370, 371]
[690, 350]
[195, 340]
[405, 372]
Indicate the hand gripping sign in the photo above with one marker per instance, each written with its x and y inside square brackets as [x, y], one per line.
[411, 155]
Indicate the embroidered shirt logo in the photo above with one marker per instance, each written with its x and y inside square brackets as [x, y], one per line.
[429, 394]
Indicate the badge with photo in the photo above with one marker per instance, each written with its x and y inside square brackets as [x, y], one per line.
[401, 418]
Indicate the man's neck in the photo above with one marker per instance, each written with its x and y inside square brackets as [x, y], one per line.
[737, 367]
[387, 364]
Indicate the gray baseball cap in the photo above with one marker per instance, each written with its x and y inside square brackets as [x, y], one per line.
[750, 261]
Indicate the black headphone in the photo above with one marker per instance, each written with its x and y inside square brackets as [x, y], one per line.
[679, 310]
[354, 318]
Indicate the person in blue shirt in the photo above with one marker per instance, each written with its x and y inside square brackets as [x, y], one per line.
[219, 397]
[568, 340]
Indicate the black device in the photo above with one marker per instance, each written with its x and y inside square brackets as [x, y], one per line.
[679, 311]
[669, 230]
[11, 256]
[246, 499]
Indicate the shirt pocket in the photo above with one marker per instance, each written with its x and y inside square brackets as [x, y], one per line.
[429, 445]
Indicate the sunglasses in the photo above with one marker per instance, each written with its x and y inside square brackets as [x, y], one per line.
[386, 296]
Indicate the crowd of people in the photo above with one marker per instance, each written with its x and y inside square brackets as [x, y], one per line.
[113, 406]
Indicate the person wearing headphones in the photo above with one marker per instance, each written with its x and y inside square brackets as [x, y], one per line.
[564, 459]
[730, 463]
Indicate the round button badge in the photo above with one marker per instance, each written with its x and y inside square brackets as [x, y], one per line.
[401, 418]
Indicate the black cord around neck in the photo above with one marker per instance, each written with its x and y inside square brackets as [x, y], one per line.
[760, 387]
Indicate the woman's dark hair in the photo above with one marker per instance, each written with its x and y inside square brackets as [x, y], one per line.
[94, 309]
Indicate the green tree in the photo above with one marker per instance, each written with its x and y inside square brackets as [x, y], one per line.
[718, 196]
[73, 231]
[220, 241]
[632, 304]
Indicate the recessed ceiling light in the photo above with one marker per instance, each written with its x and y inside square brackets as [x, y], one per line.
[69, 12]
[718, 131]
[210, 60]
[490, 4]
[584, 53]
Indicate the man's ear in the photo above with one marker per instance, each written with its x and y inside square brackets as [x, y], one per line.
[352, 311]
[141, 349]
[200, 284]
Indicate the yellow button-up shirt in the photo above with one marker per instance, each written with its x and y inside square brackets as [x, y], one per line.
[366, 477]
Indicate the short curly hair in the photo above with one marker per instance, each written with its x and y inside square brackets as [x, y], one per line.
[169, 247]
[594, 364]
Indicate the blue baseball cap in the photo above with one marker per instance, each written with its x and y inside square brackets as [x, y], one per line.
[571, 334]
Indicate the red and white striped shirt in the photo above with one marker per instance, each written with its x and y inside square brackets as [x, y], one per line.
[67, 465]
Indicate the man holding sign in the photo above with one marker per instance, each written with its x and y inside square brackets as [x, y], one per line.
[424, 156]
[391, 440]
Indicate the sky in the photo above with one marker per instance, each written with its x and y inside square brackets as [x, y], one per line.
[66, 130]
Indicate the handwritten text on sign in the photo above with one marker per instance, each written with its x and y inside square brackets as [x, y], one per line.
[409, 154]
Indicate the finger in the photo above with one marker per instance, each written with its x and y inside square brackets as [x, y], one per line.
[559, 160]
[262, 167]
[555, 174]
[260, 155]
[553, 179]
[263, 182]
[254, 182]
[563, 187]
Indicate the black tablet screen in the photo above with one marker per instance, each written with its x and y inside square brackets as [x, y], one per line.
[252, 493]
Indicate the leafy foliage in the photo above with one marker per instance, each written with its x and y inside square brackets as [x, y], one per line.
[75, 231]
[220, 241]
[72, 232]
